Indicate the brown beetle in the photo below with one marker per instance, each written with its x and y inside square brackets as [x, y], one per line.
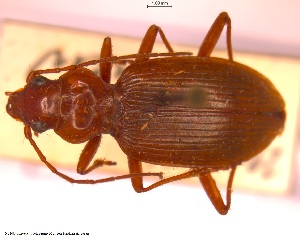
[198, 112]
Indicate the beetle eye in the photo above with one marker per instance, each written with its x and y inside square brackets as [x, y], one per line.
[39, 80]
[38, 126]
[9, 107]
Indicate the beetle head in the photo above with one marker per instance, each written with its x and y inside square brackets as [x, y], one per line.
[37, 104]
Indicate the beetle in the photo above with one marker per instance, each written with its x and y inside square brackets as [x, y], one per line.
[198, 112]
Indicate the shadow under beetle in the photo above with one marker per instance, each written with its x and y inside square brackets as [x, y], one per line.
[198, 112]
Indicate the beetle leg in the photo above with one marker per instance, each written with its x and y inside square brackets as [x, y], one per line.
[28, 135]
[206, 179]
[105, 67]
[87, 155]
[135, 167]
[213, 192]
[213, 36]
[149, 40]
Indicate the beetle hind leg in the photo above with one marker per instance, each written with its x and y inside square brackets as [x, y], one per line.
[214, 34]
[213, 192]
[209, 184]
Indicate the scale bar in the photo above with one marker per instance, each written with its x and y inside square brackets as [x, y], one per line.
[157, 6]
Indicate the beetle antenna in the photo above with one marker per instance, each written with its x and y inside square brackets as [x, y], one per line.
[114, 59]
[28, 135]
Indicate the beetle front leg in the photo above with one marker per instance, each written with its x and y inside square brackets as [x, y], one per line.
[213, 192]
[87, 155]
[28, 135]
[105, 67]
[214, 34]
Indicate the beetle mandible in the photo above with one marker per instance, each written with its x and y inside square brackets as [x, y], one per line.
[198, 112]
